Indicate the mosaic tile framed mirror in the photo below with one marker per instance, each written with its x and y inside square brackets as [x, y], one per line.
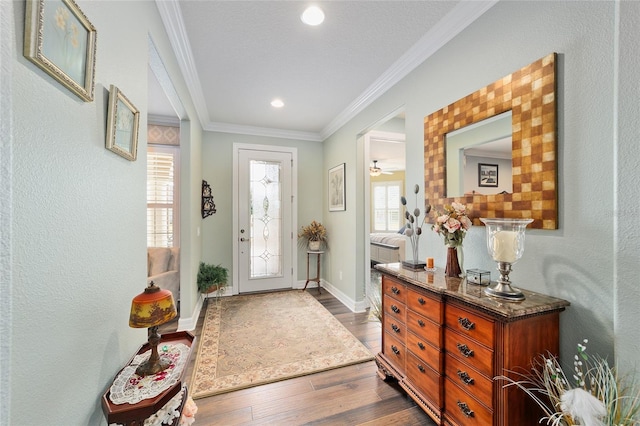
[530, 95]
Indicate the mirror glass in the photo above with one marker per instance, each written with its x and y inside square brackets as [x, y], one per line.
[530, 95]
[479, 157]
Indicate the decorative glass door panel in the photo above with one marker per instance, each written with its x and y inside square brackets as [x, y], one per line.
[265, 234]
[265, 219]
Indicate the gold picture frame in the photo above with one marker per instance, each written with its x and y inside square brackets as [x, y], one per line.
[60, 40]
[123, 119]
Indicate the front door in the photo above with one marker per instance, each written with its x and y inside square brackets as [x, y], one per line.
[265, 213]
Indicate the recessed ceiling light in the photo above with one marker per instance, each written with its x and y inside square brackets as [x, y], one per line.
[277, 103]
[313, 15]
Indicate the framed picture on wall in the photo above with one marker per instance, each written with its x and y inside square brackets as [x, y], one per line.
[337, 188]
[122, 125]
[59, 39]
[488, 175]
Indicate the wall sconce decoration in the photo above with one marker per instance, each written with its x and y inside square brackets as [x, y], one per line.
[208, 206]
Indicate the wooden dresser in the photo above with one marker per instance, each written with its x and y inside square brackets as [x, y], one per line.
[444, 341]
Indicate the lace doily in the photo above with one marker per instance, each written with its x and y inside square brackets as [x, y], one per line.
[165, 415]
[130, 388]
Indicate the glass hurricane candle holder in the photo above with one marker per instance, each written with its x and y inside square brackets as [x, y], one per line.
[505, 243]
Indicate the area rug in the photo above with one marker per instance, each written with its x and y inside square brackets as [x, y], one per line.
[251, 340]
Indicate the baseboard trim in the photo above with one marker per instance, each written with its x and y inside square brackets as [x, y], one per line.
[354, 306]
[190, 323]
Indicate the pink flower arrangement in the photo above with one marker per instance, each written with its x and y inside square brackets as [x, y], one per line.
[453, 224]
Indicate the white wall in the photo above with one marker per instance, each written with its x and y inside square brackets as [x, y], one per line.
[575, 262]
[77, 214]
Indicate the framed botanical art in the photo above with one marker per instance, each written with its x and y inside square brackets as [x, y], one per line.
[337, 188]
[488, 175]
[59, 39]
[122, 125]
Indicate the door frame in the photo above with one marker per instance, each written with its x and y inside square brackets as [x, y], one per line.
[236, 207]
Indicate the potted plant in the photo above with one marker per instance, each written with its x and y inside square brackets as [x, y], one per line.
[313, 236]
[212, 277]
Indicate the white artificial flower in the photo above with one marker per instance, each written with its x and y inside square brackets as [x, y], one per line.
[583, 406]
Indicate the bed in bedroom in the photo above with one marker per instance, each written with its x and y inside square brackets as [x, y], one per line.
[387, 248]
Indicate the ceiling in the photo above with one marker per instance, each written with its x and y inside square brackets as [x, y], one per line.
[237, 56]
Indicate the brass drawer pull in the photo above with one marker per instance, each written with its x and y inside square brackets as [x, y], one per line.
[421, 368]
[421, 301]
[395, 290]
[395, 328]
[421, 345]
[421, 323]
[395, 309]
[465, 409]
[466, 324]
[464, 377]
[464, 350]
[395, 350]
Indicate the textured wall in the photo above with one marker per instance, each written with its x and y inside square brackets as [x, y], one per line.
[627, 253]
[78, 243]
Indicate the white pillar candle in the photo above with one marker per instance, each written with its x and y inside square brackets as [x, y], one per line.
[505, 246]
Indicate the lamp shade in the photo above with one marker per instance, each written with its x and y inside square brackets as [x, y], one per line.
[152, 307]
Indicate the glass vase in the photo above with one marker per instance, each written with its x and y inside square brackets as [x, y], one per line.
[452, 268]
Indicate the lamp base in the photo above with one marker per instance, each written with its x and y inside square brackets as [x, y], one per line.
[504, 291]
[148, 368]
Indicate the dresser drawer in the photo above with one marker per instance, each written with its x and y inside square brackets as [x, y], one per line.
[469, 352]
[394, 309]
[426, 329]
[470, 324]
[394, 289]
[424, 379]
[425, 351]
[394, 350]
[463, 409]
[395, 327]
[424, 305]
[469, 379]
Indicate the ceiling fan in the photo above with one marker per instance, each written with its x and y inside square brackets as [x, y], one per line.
[377, 171]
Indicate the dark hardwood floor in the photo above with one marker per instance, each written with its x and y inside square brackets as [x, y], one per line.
[352, 395]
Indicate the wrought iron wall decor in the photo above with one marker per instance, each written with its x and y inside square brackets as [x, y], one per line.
[208, 206]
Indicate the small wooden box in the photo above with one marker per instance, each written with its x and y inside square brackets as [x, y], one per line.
[478, 276]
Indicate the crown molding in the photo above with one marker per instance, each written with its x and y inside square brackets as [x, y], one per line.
[459, 18]
[171, 16]
[163, 120]
[262, 131]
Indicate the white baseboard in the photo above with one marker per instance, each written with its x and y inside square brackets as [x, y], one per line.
[190, 323]
[354, 306]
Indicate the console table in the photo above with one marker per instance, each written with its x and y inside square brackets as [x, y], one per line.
[134, 414]
[444, 341]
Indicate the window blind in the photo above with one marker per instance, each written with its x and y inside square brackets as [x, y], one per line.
[162, 195]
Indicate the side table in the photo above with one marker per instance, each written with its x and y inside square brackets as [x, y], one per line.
[135, 414]
[317, 278]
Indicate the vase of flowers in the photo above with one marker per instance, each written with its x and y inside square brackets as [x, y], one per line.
[453, 225]
[413, 229]
[313, 236]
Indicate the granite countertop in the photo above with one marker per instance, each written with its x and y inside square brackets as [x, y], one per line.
[460, 289]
